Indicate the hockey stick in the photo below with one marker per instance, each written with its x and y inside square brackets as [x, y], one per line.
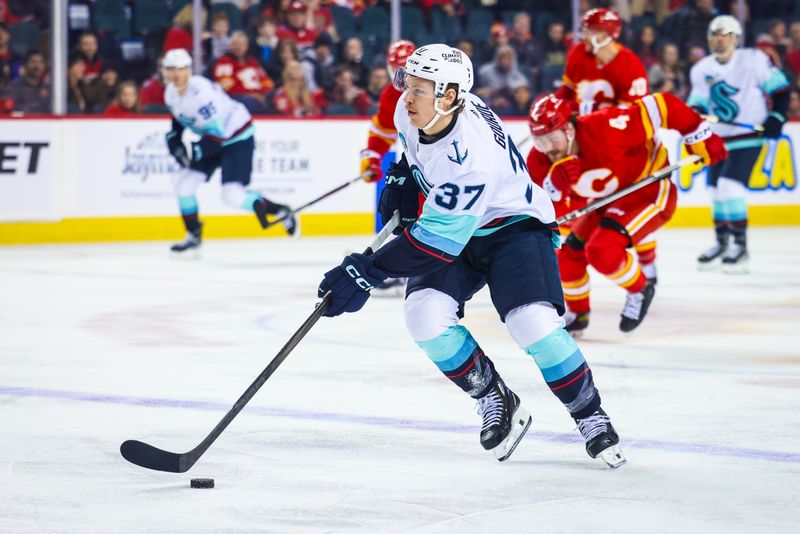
[312, 202]
[150, 457]
[716, 120]
[644, 182]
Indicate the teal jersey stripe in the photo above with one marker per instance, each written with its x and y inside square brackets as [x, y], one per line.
[480, 232]
[697, 100]
[247, 134]
[451, 349]
[775, 82]
[447, 232]
[188, 204]
[738, 144]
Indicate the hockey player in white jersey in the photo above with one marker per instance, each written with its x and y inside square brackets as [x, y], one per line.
[226, 131]
[483, 222]
[733, 85]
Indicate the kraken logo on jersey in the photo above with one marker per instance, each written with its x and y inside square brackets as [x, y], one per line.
[403, 141]
[722, 105]
[423, 184]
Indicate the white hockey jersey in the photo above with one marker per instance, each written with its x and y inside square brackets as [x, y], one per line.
[208, 111]
[735, 90]
[471, 177]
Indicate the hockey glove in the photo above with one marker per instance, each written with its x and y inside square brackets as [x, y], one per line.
[706, 144]
[560, 178]
[773, 125]
[371, 166]
[350, 283]
[400, 193]
[176, 148]
[205, 148]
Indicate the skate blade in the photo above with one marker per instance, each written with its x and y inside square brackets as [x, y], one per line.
[521, 423]
[710, 266]
[613, 457]
[186, 255]
[739, 268]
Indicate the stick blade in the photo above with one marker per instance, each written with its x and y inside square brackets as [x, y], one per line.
[144, 455]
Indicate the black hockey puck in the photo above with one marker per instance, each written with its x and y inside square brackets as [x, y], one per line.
[202, 483]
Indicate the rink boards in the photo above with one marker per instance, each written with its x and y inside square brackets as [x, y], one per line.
[93, 179]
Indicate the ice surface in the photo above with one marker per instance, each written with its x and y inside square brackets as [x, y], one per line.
[358, 431]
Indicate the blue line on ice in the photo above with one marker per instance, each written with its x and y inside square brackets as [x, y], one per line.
[413, 424]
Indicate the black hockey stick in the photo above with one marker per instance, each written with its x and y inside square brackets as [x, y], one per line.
[644, 182]
[145, 455]
[312, 202]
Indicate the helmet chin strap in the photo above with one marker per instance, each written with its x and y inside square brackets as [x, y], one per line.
[439, 113]
[570, 141]
[597, 45]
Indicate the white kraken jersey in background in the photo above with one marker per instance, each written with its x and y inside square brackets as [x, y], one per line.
[735, 91]
[208, 110]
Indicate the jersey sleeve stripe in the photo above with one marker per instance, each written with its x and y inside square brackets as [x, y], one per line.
[662, 110]
[776, 82]
[654, 115]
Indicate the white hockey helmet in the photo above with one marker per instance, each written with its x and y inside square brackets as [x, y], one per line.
[725, 24]
[177, 58]
[442, 65]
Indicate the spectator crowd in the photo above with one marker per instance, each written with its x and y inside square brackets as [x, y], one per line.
[307, 58]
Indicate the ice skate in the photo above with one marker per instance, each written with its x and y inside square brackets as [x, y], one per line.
[709, 259]
[735, 260]
[636, 305]
[290, 222]
[505, 421]
[393, 287]
[601, 438]
[190, 246]
[576, 323]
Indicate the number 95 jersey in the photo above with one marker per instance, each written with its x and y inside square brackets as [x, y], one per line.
[207, 110]
[473, 177]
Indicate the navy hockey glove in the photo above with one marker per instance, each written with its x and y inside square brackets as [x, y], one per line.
[350, 283]
[176, 148]
[773, 125]
[400, 193]
[205, 148]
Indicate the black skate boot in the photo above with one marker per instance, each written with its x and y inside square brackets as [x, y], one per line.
[290, 221]
[505, 421]
[264, 207]
[708, 259]
[190, 245]
[601, 438]
[576, 323]
[636, 305]
[735, 260]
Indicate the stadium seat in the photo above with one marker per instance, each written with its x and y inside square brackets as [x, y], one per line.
[479, 25]
[234, 14]
[149, 15]
[541, 22]
[339, 108]
[109, 16]
[374, 21]
[344, 20]
[23, 37]
[550, 76]
[412, 23]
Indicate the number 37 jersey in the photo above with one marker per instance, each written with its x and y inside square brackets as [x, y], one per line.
[473, 177]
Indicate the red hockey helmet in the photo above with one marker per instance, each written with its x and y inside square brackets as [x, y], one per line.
[603, 19]
[548, 114]
[397, 54]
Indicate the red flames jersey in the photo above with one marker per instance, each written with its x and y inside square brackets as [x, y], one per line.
[382, 132]
[616, 147]
[241, 77]
[593, 86]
